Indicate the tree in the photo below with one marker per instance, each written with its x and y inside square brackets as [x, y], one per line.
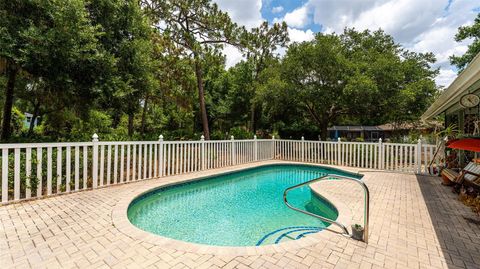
[53, 41]
[356, 77]
[467, 32]
[128, 37]
[260, 45]
[315, 72]
[380, 67]
[195, 25]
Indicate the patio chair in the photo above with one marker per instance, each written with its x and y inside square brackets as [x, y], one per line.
[470, 175]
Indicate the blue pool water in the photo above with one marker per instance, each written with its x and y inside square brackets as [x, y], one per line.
[238, 209]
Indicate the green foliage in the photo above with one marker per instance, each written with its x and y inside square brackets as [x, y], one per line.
[128, 69]
[197, 28]
[347, 77]
[55, 41]
[359, 139]
[17, 120]
[240, 133]
[55, 44]
[464, 33]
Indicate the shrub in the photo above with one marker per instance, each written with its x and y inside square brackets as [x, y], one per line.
[240, 133]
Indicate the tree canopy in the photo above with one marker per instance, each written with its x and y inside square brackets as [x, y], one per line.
[354, 78]
[464, 33]
[129, 69]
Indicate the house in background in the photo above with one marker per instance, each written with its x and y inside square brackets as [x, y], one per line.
[384, 131]
[460, 102]
[352, 133]
[28, 120]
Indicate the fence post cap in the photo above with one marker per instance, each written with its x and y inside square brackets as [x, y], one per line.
[273, 137]
[380, 140]
[202, 137]
[303, 138]
[254, 136]
[419, 141]
[160, 137]
[339, 139]
[95, 137]
[231, 137]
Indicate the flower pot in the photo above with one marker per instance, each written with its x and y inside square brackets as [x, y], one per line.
[357, 233]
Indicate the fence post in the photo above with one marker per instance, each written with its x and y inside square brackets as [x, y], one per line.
[160, 158]
[419, 156]
[273, 147]
[338, 151]
[380, 154]
[303, 149]
[95, 161]
[255, 147]
[232, 139]
[202, 141]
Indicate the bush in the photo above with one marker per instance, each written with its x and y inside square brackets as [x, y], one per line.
[240, 133]
[219, 135]
[18, 119]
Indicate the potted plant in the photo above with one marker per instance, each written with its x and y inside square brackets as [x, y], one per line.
[357, 232]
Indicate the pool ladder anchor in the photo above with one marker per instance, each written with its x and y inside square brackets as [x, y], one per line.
[338, 224]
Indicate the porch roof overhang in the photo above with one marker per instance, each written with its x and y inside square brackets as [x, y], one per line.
[468, 81]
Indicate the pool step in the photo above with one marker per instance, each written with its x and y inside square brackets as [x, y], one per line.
[288, 233]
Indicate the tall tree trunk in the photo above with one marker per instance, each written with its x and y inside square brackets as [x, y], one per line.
[130, 124]
[116, 119]
[36, 112]
[12, 72]
[201, 97]
[144, 113]
[324, 131]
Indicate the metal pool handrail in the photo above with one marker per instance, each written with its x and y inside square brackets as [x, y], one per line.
[345, 231]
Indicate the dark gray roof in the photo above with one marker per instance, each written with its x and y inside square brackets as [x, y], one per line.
[354, 128]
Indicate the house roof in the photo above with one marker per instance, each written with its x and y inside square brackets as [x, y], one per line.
[354, 128]
[468, 81]
[386, 127]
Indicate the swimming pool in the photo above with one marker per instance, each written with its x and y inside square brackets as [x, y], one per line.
[243, 208]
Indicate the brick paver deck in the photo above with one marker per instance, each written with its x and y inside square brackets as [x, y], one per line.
[415, 223]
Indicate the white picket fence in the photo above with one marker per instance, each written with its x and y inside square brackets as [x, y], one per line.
[44, 169]
[413, 158]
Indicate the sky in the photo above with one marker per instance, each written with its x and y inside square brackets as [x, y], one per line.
[419, 25]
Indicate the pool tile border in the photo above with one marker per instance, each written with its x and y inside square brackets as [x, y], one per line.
[121, 222]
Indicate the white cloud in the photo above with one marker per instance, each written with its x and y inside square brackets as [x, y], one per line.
[299, 35]
[234, 56]
[419, 25]
[404, 19]
[445, 77]
[245, 12]
[298, 18]
[434, 41]
[277, 9]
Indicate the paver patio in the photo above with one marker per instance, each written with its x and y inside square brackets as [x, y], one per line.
[414, 223]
